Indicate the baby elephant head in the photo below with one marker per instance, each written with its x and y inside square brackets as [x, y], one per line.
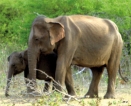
[17, 64]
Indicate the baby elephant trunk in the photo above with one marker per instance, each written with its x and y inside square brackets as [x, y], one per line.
[10, 74]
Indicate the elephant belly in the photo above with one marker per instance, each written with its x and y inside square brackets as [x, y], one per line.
[90, 58]
[93, 53]
[85, 62]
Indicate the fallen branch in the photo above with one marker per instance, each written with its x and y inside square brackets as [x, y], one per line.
[59, 85]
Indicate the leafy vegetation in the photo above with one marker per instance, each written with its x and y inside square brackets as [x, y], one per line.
[17, 16]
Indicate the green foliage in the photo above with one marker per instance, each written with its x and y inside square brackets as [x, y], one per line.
[16, 16]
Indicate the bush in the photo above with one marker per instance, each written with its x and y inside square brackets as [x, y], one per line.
[17, 16]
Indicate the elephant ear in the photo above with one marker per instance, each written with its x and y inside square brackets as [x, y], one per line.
[8, 58]
[23, 56]
[56, 31]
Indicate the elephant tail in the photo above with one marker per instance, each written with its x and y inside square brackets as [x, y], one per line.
[124, 78]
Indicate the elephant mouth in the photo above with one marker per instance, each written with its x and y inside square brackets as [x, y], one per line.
[46, 52]
[18, 72]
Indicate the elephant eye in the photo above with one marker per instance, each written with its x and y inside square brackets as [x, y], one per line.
[36, 39]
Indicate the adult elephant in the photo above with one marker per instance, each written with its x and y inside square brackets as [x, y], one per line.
[81, 40]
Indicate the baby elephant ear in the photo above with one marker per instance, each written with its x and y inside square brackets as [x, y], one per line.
[56, 31]
[24, 54]
[24, 57]
[8, 58]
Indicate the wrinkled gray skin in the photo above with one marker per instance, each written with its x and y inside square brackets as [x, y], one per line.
[18, 62]
[81, 40]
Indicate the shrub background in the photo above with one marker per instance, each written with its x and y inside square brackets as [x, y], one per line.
[16, 17]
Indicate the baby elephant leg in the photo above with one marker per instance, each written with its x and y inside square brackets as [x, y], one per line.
[47, 86]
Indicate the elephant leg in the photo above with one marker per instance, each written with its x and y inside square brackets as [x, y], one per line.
[93, 89]
[7, 87]
[112, 68]
[111, 82]
[60, 80]
[27, 82]
[69, 82]
[64, 59]
[31, 91]
[60, 75]
[47, 86]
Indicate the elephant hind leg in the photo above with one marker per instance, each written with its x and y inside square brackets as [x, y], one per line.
[93, 89]
[112, 68]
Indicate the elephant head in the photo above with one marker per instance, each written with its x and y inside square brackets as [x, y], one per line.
[44, 35]
[17, 64]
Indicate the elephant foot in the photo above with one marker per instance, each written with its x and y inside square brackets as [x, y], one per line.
[23, 93]
[57, 88]
[109, 96]
[91, 95]
[34, 94]
[69, 97]
[6, 94]
[31, 94]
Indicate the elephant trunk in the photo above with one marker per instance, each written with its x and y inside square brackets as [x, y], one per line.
[10, 74]
[32, 62]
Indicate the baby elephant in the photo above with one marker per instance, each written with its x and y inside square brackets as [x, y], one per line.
[18, 62]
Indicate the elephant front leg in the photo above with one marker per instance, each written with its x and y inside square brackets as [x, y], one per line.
[31, 89]
[69, 83]
[7, 88]
[31, 85]
[28, 82]
[65, 55]
[60, 77]
[10, 74]
[93, 89]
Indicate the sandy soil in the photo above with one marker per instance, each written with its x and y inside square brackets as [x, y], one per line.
[123, 98]
[123, 94]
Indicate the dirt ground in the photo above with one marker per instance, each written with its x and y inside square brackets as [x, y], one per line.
[123, 98]
[81, 82]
